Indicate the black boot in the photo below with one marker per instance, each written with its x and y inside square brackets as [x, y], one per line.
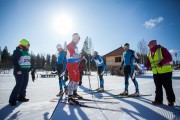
[23, 100]
[72, 101]
[75, 95]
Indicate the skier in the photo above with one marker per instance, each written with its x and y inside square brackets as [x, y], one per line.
[61, 67]
[128, 63]
[100, 69]
[82, 64]
[21, 61]
[73, 68]
[159, 60]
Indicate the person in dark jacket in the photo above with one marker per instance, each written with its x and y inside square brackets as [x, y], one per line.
[33, 71]
[158, 60]
[21, 61]
[82, 64]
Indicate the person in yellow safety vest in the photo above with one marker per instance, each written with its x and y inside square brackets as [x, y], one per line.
[158, 60]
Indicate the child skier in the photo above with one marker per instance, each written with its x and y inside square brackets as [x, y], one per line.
[100, 69]
[61, 67]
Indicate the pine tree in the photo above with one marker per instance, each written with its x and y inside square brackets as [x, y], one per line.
[5, 58]
[53, 62]
[48, 62]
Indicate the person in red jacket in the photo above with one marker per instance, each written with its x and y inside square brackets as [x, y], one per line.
[158, 60]
[73, 68]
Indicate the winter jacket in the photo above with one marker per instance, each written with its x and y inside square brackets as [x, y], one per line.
[165, 53]
[72, 53]
[21, 59]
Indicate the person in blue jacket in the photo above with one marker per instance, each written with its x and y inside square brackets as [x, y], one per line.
[128, 62]
[22, 65]
[100, 69]
[61, 69]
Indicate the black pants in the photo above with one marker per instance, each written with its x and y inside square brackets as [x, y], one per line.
[128, 71]
[164, 80]
[19, 91]
[81, 74]
[59, 72]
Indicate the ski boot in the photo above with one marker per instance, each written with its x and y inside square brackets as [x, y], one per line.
[101, 89]
[60, 93]
[125, 93]
[170, 103]
[136, 94]
[72, 101]
[80, 83]
[75, 95]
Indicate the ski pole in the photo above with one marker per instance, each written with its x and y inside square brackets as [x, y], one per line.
[89, 82]
[61, 96]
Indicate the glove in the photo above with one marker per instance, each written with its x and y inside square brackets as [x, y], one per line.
[159, 65]
[120, 68]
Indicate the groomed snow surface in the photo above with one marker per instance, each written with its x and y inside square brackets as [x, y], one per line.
[43, 90]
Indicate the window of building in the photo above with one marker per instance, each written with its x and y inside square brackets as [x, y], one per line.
[117, 59]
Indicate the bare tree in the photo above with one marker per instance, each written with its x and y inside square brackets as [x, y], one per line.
[142, 49]
[65, 46]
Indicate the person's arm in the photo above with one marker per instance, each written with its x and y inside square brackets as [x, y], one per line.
[121, 65]
[15, 59]
[71, 50]
[166, 55]
[148, 64]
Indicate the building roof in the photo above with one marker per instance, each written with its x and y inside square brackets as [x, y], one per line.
[116, 52]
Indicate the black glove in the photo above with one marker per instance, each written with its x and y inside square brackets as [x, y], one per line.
[120, 68]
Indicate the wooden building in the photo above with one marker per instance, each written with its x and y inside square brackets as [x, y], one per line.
[114, 59]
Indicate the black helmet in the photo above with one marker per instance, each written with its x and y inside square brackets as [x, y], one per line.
[126, 44]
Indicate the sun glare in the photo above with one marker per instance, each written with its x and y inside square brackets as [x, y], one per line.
[62, 24]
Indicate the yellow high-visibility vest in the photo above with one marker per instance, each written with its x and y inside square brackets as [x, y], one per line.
[154, 61]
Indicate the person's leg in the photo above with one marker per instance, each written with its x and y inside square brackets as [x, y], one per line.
[167, 84]
[133, 78]
[16, 90]
[100, 70]
[127, 72]
[59, 72]
[159, 91]
[22, 94]
[80, 82]
[66, 75]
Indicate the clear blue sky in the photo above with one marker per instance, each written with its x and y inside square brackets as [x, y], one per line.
[109, 23]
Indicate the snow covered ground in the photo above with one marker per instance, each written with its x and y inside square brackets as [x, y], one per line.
[43, 90]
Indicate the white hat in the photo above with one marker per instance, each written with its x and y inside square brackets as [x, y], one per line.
[59, 46]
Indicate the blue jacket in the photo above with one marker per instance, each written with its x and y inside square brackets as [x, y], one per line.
[98, 60]
[128, 58]
[61, 59]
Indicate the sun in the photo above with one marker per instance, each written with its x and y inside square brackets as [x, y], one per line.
[62, 24]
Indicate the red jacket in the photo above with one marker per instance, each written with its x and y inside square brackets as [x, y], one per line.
[165, 53]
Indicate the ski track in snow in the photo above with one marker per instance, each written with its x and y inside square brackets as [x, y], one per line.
[43, 90]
